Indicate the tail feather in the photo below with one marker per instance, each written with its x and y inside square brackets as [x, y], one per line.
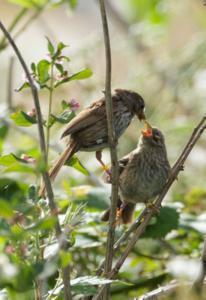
[126, 216]
[70, 150]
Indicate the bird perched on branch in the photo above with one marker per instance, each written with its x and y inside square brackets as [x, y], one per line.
[88, 130]
[143, 174]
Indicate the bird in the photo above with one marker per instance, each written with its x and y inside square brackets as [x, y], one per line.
[143, 174]
[88, 130]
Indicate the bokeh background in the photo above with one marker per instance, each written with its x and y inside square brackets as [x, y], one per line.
[159, 50]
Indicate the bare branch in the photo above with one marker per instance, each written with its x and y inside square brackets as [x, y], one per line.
[112, 144]
[10, 84]
[52, 205]
[199, 281]
[162, 291]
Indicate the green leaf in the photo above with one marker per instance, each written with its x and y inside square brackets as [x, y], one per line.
[33, 68]
[6, 210]
[15, 164]
[85, 285]
[164, 222]
[43, 71]
[11, 189]
[60, 68]
[65, 258]
[60, 47]
[50, 46]
[3, 129]
[47, 223]
[28, 4]
[64, 117]
[65, 104]
[86, 73]
[25, 85]
[75, 163]
[73, 3]
[20, 118]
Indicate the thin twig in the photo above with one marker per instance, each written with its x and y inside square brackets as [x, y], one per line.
[52, 205]
[10, 84]
[112, 144]
[139, 226]
[162, 291]
[13, 24]
[199, 281]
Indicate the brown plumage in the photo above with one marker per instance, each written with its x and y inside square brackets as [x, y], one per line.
[88, 130]
[143, 174]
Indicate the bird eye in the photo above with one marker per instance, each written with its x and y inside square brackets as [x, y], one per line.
[156, 137]
[142, 106]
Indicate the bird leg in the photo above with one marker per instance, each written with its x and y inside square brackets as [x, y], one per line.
[119, 213]
[99, 158]
[152, 206]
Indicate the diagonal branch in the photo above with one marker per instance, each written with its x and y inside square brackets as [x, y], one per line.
[200, 280]
[140, 225]
[52, 205]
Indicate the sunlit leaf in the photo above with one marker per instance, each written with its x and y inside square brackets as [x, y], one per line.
[29, 4]
[20, 118]
[6, 210]
[73, 3]
[86, 73]
[75, 163]
[65, 258]
[14, 164]
[43, 70]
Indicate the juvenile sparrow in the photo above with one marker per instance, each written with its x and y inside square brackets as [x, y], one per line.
[143, 173]
[88, 130]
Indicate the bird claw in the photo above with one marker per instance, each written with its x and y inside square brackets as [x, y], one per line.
[118, 216]
[153, 207]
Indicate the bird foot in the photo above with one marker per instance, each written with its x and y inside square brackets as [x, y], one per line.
[153, 207]
[119, 212]
[107, 170]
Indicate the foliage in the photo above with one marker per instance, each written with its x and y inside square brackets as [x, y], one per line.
[169, 80]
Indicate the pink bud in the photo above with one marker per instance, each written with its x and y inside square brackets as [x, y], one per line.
[9, 249]
[28, 158]
[32, 113]
[74, 104]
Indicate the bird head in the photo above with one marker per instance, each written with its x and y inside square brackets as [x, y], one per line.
[134, 101]
[152, 136]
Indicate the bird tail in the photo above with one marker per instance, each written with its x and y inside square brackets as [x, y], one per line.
[126, 213]
[70, 150]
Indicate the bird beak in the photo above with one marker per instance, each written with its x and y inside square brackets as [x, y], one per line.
[147, 131]
[141, 115]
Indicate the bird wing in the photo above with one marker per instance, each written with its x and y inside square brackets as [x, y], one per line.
[87, 117]
[123, 162]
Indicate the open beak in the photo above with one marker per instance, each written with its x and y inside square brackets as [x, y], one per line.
[147, 131]
[141, 115]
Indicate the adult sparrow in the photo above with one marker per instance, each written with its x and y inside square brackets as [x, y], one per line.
[143, 174]
[88, 130]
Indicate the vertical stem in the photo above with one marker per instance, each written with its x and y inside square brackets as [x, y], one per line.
[49, 111]
[15, 21]
[112, 144]
[10, 84]
[52, 204]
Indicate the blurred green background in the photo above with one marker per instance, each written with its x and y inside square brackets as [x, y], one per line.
[158, 50]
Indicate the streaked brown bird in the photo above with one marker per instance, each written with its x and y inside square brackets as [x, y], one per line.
[143, 174]
[88, 130]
